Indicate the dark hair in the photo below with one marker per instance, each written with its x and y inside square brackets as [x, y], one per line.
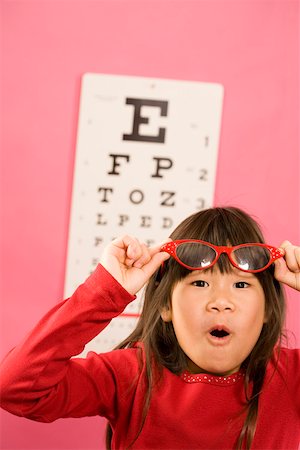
[219, 226]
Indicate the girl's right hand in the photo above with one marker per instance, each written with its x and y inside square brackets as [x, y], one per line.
[131, 263]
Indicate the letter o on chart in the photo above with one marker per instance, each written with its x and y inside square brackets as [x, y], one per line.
[136, 196]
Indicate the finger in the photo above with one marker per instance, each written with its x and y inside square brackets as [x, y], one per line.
[144, 256]
[292, 256]
[157, 248]
[130, 248]
[284, 275]
[154, 263]
[123, 242]
[149, 252]
[297, 255]
[280, 269]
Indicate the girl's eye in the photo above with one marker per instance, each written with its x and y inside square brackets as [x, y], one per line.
[241, 285]
[200, 283]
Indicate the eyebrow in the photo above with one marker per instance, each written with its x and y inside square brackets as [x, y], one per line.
[234, 271]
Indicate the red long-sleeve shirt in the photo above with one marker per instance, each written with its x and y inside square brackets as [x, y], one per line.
[39, 380]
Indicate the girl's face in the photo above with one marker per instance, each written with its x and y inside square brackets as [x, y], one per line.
[217, 318]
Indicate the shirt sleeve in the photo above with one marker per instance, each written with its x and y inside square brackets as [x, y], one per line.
[39, 378]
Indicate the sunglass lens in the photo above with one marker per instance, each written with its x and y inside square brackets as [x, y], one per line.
[196, 255]
[251, 258]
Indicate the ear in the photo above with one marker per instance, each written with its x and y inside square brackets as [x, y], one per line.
[166, 314]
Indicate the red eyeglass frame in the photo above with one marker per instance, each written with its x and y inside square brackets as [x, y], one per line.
[170, 247]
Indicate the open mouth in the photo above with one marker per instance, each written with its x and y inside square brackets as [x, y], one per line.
[219, 333]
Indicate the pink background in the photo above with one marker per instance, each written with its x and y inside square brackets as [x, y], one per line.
[251, 47]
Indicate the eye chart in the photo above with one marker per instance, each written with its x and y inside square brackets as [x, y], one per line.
[146, 158]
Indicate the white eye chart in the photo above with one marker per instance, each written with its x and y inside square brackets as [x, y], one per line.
[146, 158]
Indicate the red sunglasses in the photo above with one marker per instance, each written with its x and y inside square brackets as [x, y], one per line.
[198, 255]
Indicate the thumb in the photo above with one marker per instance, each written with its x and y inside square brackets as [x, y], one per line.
[286, 276]
[155, 262]
[280, 269]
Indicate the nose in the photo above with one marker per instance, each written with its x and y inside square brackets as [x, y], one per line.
[220, 301]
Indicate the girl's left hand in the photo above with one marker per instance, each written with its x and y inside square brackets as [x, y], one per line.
[287, 269]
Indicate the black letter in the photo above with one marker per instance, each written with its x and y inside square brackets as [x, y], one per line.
[104, 200]
[167, 222]
[141, 195]
[138, 119]
[203, 174]
[146, 221]
[100, 222]
[201, 203]
[159, 166]
[167, 197]
[116, 164]
[123, 218]
[98, 241]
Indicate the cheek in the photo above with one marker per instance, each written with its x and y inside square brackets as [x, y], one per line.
[187, 318]
[254, 319]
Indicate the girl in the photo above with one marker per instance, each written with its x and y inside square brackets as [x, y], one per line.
[204, 368]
